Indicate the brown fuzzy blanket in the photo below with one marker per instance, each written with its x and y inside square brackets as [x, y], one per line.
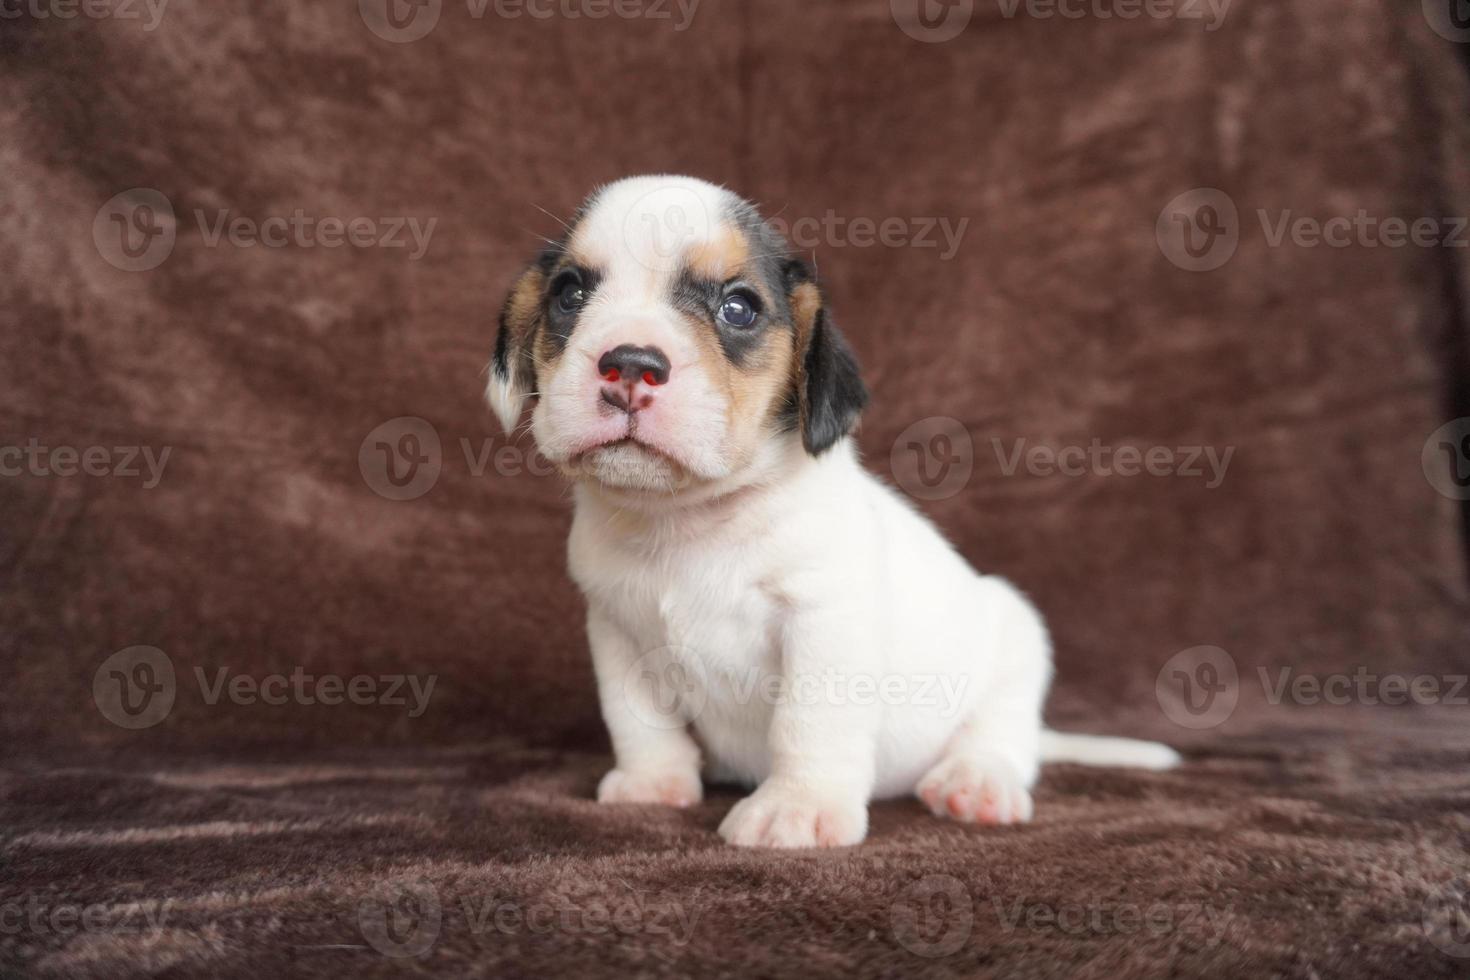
[1332, 848]
[194, 416]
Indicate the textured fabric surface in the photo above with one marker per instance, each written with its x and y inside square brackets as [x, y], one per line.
[1299, 852]
[269, 545]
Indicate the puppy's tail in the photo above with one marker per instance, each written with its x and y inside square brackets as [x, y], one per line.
[1100, 750]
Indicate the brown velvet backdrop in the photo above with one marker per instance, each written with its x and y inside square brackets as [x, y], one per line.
[1059, 320]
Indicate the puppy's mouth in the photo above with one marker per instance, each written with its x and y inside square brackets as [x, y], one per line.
[628, 441]
[629, 463]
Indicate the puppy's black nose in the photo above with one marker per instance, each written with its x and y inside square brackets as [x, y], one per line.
[634, 364]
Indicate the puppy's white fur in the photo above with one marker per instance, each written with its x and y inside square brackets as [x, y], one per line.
[805, 617]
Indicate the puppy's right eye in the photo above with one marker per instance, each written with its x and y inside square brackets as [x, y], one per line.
[571, 297]
[739, 310]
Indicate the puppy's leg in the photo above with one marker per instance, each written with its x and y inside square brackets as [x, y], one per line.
[991, 763]
[823, 747]
[656, 759]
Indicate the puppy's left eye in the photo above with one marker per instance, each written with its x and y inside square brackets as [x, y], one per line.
[739, 310]
[571, 298]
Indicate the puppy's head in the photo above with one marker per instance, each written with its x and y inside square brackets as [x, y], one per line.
[669, 341]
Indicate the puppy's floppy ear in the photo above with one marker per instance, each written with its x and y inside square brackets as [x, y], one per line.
[513, 369]
[830, 393]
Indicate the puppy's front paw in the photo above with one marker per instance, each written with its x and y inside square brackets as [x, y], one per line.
[671, 787]
[976, 789]
[785, 816]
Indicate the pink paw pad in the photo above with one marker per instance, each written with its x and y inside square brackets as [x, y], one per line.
[974, 791]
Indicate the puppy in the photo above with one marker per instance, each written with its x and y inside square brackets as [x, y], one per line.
[760, 608]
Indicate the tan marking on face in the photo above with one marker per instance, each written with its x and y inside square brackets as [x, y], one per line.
[758, 389]
[720, 258]
[548, 356]
[522, 312]
[523, 308]
[754, 391]
[806, 303]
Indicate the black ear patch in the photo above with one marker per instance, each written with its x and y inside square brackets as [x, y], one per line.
[833, 393]
[830, 393]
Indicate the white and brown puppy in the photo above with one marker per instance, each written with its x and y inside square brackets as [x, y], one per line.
[687, 376]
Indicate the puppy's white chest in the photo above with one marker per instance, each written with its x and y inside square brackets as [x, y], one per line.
[727, 622]
[707, 625]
